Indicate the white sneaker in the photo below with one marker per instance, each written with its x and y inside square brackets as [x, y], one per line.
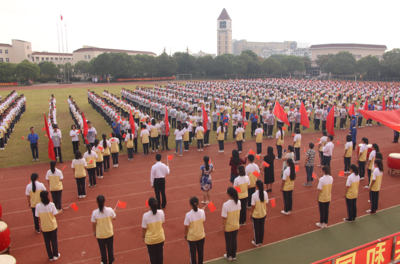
[240, 152]
[285, 213]
[201, 149]
[55, 258]
[198, 150]
[254, 243]
[226, 257]
[244, 140]
[34, 160]
[319, 165]
[116, 165]
[320, 225]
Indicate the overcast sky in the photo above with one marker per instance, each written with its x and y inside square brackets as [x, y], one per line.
[153, 25]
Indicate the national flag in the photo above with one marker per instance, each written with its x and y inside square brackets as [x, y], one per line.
[243, 116]
[147, 203]
[351, 111]
[110, 135]
[383, 104]
[50, 145]
[338, 143]
[280, 113]
[251, 152]
[341, 173]
[121, 204]
[132, 122]
[297, 168]
[90, 161]
[265, 164]
[166, 122]
[44, 129]
[258, 157]
[64, 168]
[283, 128]
[23, 137]
[85, 128]
[62, 19]
[237, 189]
[314, 175]
[330, 121]
[366, 104]
[305, 150]
[124, 135]
[256, 173]
[304, 116]
[170, 157]
[273, 204]
[293, 134]
[209, 161]
[211, 206]
[74, 206]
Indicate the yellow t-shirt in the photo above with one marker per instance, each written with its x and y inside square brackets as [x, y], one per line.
[231, 211]
[79, 166]
[103, 220]
[46, 214]
[55, 180]
[153, 224]
[194, 220]
[260, 208]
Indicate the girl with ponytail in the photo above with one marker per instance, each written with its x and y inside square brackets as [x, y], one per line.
[32, 192]
[194, 233]
[375, 186]
[103, 229]
[129, 144]
[114, 149]
[205, 179]
[242, 182]
[106, 145]
[289, 175]
[258, 213]
[54, 179]
[99, 161]
[230, 222]
[153, 233]
[279, 141]
[90, 157]
[221, 136]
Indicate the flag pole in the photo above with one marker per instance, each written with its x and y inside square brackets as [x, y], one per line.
[66, 45]
[58, 40]
[62, 44]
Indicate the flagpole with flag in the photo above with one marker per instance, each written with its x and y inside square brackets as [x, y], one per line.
[62, 45]
[330, 121]
[243, 115]
[205, 119]
[50, 145]
[280, 113]
[66, 46]
[132, 122]
[166, 122]
[85, 128]
[304, 116]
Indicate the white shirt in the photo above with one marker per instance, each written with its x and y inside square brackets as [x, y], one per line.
[348, 145]
[278, 134]
[328, 149]
[363, 148]
[158, 170]
[296, 137]
[352, 178]
[74, 135]
[92, 154]
[178, 134]
[258, 131]
[324, 180]
[372, 155]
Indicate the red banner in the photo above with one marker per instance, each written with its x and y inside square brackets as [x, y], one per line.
[146, 79]
[8, 84]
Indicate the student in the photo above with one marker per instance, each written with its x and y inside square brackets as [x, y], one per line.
[205, 179]
[154, 136]
[129, 144]
[153, 232]
[297, 145]
[351, 193]
[207, 133]
[353, 129]
[239, 137]
[348, 147]
[324, 196]
[98, 149]
[54, 179]
[157, 179]
[46, 212]
[106, 152]
[103, 229]
[56, 138]
[33, 138]
[178, 139]
[221, 136]
[327, 151]
[32, 191]
[362, 157]
[289, 155]
[371, 160]
[90, 156]
[309, 164]
[258, 213]
[199, 136]
[289, 175]
[144, 139]
[252, 167]
[321, 143]
[269, 174]
[235, 162]
[230, 222]
[78, 166]
[186, 137]
[375, 186]
[258, 133]
[243, 182]
[74, 138]
[92, 133]
[194, 231]
[279, 141]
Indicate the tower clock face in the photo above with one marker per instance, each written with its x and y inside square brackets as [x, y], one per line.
[222, 24]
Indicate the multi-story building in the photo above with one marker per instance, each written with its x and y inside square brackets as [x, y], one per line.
[224, 33]
[358, 50]
[259, 47]
[300, 52]
[18, 51]
[202, 54]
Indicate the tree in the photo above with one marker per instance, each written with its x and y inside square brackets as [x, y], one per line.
[49, 68]
[124, 65]
[323, 59]
[239, 66]
[250, 53]
[186, 62]
[101, 65]
[224, 63]
[7, 71]
[278, 57]
[166, 65]
[307, 62]
[271, 66]
[391, 63]
[81, 67]
[206, 64]
[149, 65]
[28, 70]
[368, 66]
[293, 63]
[343, 63]
[68, 69]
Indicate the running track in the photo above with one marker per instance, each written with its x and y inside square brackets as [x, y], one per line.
[130, 183]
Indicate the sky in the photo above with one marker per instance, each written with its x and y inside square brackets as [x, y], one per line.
[176, 25]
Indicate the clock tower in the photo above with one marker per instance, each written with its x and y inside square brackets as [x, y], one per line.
[224, 33]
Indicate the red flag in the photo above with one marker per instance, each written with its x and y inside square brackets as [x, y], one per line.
[64, 167]
[293, 135]
[251, 152]
[297, 168]
[121, 204]
[62, 19]
[272, 202]
[341, 173]
[237, 189]
[166, 122]
[314, 175]
[305, 150]
[280, 113]
[304, 116]
[50, 145]
[256, 173]
[132, 122]
[265, 164]
[330, 121]
[124, 136]
[337, 143]
[44, 129]
[383, 104]
[283, 128]
[209, 161]
[366, 104]
[23, 137]
[258, 157]
[147, 203]
[211, 206]
[351, 111]
[74, 206]
[170, 157]
[243, 116]
[85, 128]
[205, 119]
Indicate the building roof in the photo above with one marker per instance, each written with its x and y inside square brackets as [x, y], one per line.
[114, 50]
[224, 15]
[50, 54]
[348, 45]
[5, 45]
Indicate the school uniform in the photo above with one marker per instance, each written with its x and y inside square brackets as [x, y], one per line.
[231, 211]
[154, 137]
[196, 235]
[114, 150]
[258, 133]
[297, 146]
[320, 149]
[56, 186]
[75, 140]
[353, 182]
[80, 175]
[371, 159]
[239, 138]
[324, 198]
[34, 198]
[243, 182]
[154, 237]
[327, 153]
[258, 216]
[99, 161]
[348, 148]
[106, 154]
[91, 135]
[221, 138]
[287, 191]
[144, 135]
[200, 136]
[105, 232]
[56, 138]
[129, 145]
[252, 187]
[280, 141]
[91, 166]
[48, 223]
[375, 188]
[361, 160]
[157, 180]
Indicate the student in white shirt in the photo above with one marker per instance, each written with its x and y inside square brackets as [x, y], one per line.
[243, 182]
[324, 196]
[99, 161]
[90, 157]
[54, 179]
[194, 231]
[74, 134]
[258, 133]
[351, 193]
[258, 213]
[297, 145]
[221, 136]
[362, 157]
[103, 229]
[321, 145]
[289, 176]
[348, 147]
[375, 186]
[178, 139]
[230, 222]
[157, 180]
[129, 144]
[371, 160]
[144, 139]
[327, 151]
[32, 192]
[239, 132]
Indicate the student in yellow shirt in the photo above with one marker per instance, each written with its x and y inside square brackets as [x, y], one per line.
[200, 136]
[186, 136]
[103, 229]
[362, 157]
[351, 193]
[239, 132]
[279, 142]
[54, 179]
[129, 144]
[221, 137]
[258, 133]
[32, 192]
[375, 186]
[243, 182]
[297, 145]
[258, 213]
[90, 156]
[99, 161]
[324, 196]
[106, 152]
[78, 166]
[289, 175]
[144, 139]
[230, 223]
[194, 231]
[46, 212]
[348, 147]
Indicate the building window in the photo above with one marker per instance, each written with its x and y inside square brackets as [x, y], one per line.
[226, 47]
[7, 60]
[27, 47]
[51, 58]
[219, 37]
[69, 58]
[226, 37]
[56, 59]
[88, 56]
[6, 51]
[358, 56]
[29, 56]
[1, 59]
[85, 57]
[47, 58]
[33, 59]
[1, 51]
[219, 42]
[226, 42]
[219, 47]
[42, 59]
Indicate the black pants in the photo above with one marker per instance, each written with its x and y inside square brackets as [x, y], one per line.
[258, 229]
[215, 126]
[164, 142]
[253, 128]
[196, 246]
[231, 243]
[360, 121]
[186, 145]
[119, 136]
[156, 253]
[106, 244]
[51, 238]
[361, 168]
[81, 185]
[75, 146]
[233, 131]
[146, 148]
[207, 137]
[351, 209]
[159, 188]
[265, 128]
[243, 212]
[342, 122]
[270, 128]
[56, 195]
[316, 126]
[200, 144]
[369, 175]
[106, 162]
[326, 160]
[279, 149]
[374, 198]
[92, 176]
[99, 168]
[287, 201]
[130, 153]
[250, 191]
[114, 158]
[135, 144]
[259, 148]
[57, 153]
[35, 219]
[323, 125]
[239, 145]
[221, 144]
[154, 143]
[323, 212]
[35, 150]
[347, 161]
[296, 154]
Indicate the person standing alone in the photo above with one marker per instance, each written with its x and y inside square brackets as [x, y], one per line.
[157, 180]
[33, 138]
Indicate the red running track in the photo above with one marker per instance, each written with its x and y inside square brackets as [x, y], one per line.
[130, 183]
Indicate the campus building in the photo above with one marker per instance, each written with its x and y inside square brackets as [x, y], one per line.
[358, 50]
[224, 33]
[260, 47]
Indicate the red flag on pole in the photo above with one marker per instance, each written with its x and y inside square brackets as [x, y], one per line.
[272, 202]
[131, 122]
[280, 113]
[205, 119]
[265, 164]
[351, 111]
[74, 206]
[121, 204]
[243, 115]
[383, 104]
[50, 146]
[166, 122]
[61, 17]
[304, 116]
[85, 128]
[251, 152]
[297, 168]
[170, 157]
[341, 173]
[366, 104]
[237, 189]
[330, 121]
[211, 206]
[314, 175]
[256, 173]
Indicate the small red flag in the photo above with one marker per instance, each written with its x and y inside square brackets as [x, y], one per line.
[272, 202]
[251, 152]
[74, 206]
[316, 144]
[318, 139]
[265, 164]
[218, 114]
[246, 123]
[147, 203]
[110, 135]
[226, 124]
[338, 143]
[305, 150]
[64, 167]
[297, 168]
[283, 128]
[212, 207]
[314, 175]
[23, 137]
[46, 135]
[124, 135]
[341, 173]
[170, 157]
[258, 157]
[237, 189]
[121, 204]
[293, 134]
[44, 129]
[90, 161]
[256, 173]
[209, 161]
